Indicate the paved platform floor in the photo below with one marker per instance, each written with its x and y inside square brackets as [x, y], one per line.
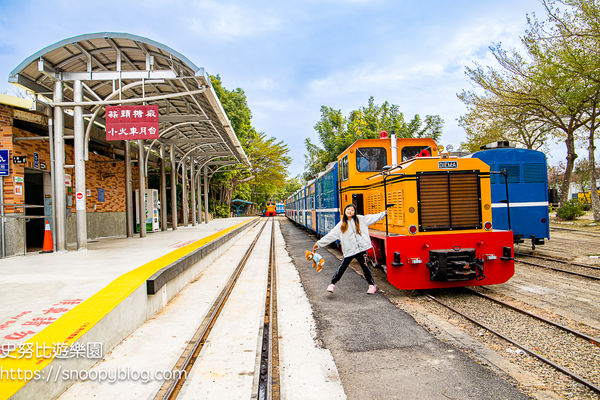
[39, 289]
[225, 368]
[380, 351]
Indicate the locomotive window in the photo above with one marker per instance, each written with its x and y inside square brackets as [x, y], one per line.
[344, 168]
[513, 171]
[409, 152]
[370, 159]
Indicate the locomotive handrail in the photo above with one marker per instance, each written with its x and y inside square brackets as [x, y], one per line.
[505, 173]
[385, 203]
[384, 172]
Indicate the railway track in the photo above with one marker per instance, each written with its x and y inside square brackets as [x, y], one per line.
[575, 343]
[585, 233]
[268, 387]
[578, 269]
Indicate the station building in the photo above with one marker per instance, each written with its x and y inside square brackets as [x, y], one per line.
[59, 137]
[25, 134]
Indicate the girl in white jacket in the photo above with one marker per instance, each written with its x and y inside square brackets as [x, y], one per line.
[353, 233]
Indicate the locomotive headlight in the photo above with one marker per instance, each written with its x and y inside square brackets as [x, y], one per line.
[412, 229]
[487, 225]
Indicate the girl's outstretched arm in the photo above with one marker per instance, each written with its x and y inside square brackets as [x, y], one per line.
[331, 237]
[370, 219]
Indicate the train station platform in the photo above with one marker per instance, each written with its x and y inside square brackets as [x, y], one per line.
[380, 351]
[95, 297]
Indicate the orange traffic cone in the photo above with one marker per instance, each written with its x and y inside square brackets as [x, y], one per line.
[48, 244]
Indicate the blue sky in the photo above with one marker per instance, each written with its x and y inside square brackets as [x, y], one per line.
[293, 57]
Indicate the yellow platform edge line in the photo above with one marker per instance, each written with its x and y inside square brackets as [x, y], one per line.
[78, 321]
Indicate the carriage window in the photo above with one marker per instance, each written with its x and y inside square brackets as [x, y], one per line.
[513, 172]
[370, 159]
[409, 152]
[344, 168]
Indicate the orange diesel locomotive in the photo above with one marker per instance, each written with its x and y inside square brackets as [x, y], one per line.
[271, 209]
[438, 232]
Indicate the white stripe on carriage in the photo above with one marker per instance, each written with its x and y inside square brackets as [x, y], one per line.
[523, 204]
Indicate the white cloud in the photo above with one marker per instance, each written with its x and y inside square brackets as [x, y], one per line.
[221, 21]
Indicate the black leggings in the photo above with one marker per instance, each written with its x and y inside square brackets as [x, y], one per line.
[362, 260]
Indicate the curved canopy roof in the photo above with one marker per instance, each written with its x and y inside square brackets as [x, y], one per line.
[120, 68]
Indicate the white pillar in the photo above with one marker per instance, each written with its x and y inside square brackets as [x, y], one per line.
[163, 191]
[193, 191]
[184, 192]
[206, 194]
[142, 188]
[59, 170]
[199, 196]
[173, 189]
[128, 190]
[79, 139]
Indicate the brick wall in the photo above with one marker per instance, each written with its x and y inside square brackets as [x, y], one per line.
[6, 132]
[101, 172]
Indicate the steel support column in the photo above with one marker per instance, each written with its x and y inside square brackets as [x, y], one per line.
[142, 188]
[163, 191]
[128, 190]
[80, 193]
[173, 189]
[59, 170]
[184, 192]
[206, 194]
[199, 196]
[193, 191]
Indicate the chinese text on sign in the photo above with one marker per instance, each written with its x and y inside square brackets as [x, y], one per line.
[131, 122]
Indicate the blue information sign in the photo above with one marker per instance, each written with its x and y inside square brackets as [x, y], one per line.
[4, 163]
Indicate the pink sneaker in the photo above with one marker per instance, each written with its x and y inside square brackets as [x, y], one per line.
[330, 288]
[372, 289]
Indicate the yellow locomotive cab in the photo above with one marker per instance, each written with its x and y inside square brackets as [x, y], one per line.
[431, 193]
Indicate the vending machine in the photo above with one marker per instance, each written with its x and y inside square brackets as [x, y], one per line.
[152, 210]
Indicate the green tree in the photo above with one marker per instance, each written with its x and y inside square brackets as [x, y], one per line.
[537, 88]
[336, 132]
[488, 120]
[269, 158]
[575, 26]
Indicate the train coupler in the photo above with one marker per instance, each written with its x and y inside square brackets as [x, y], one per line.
[451, 265]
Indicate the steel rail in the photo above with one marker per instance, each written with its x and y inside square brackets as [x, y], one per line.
[560, 270]
[586, 233]
[526, 349]
[582, 335]
[268, 384]
[555, 260]
[190, 354]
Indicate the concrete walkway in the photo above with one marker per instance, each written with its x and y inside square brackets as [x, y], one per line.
[47, 298]
[380, 351]
[226, 366]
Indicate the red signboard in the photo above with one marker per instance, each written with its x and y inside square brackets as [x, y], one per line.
[131, 122]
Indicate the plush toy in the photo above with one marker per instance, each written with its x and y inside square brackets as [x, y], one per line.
[317, 260]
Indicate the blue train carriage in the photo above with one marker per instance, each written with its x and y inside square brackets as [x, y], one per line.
[526, 213]
[310, 221]
[327, 199]
[292, 205]
[303, 204]
[279, 208]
